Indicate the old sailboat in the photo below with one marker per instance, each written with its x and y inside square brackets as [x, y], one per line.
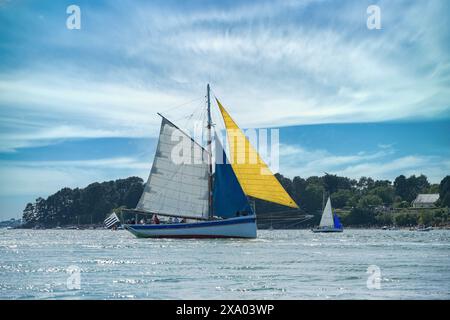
[329, 221]
[203, 204]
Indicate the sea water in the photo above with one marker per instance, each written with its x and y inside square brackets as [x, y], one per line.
[279, 264]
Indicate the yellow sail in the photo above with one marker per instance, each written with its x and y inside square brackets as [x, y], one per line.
[253, 174]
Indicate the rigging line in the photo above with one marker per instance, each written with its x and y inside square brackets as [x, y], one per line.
[195, 116]
[288, 211]
[297, 223]
[266, 216]
[290, 225]
[180, 105]
[217, 125]
[185, 118]
[199, 114]
[217, 115]
[184, 129]
[198, 121]
[203, 119]
[215, 97]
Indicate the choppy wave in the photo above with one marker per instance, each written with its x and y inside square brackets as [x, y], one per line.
[294, 264]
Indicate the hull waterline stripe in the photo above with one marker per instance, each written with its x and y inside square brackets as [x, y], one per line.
[190, 225]
[194, 236]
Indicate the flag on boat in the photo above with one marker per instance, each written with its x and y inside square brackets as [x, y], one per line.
[111, 220]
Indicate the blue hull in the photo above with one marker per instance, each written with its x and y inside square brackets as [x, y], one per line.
[240, 227]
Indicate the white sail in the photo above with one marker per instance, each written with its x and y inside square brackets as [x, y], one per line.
[327, 216]
[174, 187]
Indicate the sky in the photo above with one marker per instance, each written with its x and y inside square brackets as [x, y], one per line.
[79, 106]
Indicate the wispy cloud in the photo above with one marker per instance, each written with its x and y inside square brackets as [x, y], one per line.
[50, 108]
[382, 164]
[10, 142]
[110, 163]
[290, 63]
[433, 167]
[46, 177]
[272, 64]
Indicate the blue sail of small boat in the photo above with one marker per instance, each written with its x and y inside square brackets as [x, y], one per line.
[229, 199]
[337, 222]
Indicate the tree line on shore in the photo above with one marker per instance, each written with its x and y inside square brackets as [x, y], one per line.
[82, 206]
[362, 202]
[368, 202]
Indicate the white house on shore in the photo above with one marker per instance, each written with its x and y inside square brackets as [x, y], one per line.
[425, 200]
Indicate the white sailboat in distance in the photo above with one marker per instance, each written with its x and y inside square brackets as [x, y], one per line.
[329, 221]
[198, 203]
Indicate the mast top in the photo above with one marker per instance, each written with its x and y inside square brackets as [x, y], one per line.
[208, 96]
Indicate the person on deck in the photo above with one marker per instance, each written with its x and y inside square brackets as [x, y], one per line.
[155, 219]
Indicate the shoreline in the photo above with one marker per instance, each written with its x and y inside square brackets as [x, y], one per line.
[389, 228]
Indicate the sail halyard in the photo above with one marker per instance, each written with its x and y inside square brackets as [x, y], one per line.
[256, 179]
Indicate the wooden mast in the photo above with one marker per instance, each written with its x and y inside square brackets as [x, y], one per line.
[209, 146]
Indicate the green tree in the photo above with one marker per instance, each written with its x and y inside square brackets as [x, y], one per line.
[385, 192]
[365, 183]
[361, 217]
[441, 216]
[420, 184]
[369, 201]
[313, 198]
[434, 188]
[333, 183]
[382, 183]
[401, 187]
[444, 192]
[409, 188]
[28, 213]
[286, 183]
[299, 185]
[83, 206]
[405, 219]
[353, 201]
[133, 193]
[340, 198]
[385, 219]
[425, 218]
[314, 180]
[401, 204]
